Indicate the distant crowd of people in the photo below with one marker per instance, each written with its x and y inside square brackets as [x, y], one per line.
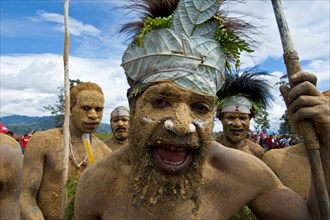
[269, 142]
[22, 140]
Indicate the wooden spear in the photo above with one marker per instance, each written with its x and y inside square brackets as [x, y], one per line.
[66, 130]
[311, 142]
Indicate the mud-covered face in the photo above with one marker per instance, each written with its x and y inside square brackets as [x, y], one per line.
[170, 136]
[235, 125]
[119, 126]
[87, 113]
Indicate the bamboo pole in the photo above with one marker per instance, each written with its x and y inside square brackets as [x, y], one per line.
[66, 130]
[311, 142]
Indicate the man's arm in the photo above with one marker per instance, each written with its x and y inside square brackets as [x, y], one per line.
[32, 175]
[279, 203]
[305, 102]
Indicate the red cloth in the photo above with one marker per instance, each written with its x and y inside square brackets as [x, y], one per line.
[3, 129]
[262, 135]
[24, 141]
[270, 142]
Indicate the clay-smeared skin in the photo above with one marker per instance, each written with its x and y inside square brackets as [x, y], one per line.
[119, 127]
[11, 166]
[229, 179]
[42, 175]
[235, 129]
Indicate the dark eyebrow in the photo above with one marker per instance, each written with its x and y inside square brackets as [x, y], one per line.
[165, 93]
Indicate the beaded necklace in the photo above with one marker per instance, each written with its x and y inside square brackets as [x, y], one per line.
[73, 158]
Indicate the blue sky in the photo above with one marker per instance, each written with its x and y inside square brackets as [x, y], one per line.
[32, 47]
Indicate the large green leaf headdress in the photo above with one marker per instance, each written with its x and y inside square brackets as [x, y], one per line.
[181, 48]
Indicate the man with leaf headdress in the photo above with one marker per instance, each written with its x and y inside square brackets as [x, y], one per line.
[239, 101]
[171, 168]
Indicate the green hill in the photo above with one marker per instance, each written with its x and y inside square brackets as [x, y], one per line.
[21, 124]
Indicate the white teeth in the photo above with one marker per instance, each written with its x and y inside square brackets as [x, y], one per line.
[177, 149]
[173, 163]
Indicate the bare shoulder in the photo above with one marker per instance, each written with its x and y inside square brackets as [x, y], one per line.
[43, 143]
[101, 145]
[274, 158]
[109, 141]
[108, 168]
[7, 141]
[226, 154]
[243, 166]
[99, 180]
[253, 144]
[12, 151]
[50, 135]
[255, 149]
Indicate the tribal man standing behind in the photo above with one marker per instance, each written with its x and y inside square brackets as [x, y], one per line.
[240, 99]
[119, 120]
[42, 167]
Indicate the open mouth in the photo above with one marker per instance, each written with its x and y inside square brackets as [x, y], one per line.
[237, 131]
[171, 159]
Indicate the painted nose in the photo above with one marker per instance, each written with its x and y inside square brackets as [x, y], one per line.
[181, 124]
[237, 122]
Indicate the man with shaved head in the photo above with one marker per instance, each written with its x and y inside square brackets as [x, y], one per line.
[42, 168]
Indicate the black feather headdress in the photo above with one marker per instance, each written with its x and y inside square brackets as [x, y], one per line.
[249, 85]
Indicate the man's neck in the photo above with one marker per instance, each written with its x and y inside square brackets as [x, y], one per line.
[121, 141]
[233, 144]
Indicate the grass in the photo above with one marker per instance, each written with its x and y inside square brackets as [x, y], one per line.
[71, 186]
[103, 136]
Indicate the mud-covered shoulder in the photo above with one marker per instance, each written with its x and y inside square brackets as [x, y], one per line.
[101, 145]
[8, 141]
[246, 167]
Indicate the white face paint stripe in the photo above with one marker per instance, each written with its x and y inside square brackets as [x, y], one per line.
[231, 122]
[200, 123]
[149, 120]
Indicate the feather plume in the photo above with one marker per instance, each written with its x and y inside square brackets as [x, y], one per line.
[249, 85]
[165, 8]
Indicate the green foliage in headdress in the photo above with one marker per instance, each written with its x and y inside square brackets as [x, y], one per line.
[232, 44]
[152, 24]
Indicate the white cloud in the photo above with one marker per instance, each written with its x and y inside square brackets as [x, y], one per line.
[30, 82]
[76, 27]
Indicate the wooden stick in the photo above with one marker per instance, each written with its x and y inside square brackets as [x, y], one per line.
[311, 142]
[66, 130]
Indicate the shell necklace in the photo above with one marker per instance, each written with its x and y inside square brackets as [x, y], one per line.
[73, 158]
